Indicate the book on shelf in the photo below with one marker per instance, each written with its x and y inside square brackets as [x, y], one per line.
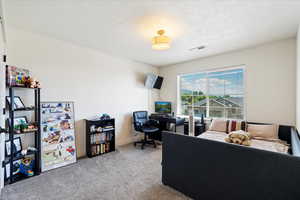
[98, 138]
[100, 148]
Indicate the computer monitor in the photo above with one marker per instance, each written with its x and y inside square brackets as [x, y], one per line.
[163, 107]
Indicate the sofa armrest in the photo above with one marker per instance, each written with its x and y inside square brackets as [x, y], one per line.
[295, 141]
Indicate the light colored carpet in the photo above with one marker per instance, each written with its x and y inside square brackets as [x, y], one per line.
[129, 173]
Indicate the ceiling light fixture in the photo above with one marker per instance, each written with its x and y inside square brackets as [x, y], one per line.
[161, 42]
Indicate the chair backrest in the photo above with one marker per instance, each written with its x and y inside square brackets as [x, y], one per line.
[139, 119]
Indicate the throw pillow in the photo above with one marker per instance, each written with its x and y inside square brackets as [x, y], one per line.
[219, 125]
[263, 131]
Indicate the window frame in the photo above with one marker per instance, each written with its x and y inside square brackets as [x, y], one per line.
[210, 70]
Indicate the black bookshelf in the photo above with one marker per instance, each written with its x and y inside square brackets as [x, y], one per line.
[12, 133]
[100, 137]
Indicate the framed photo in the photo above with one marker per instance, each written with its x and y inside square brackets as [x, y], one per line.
[16, 168]
[8, 148]
[20, 120]
[18, 103]
[17, 146]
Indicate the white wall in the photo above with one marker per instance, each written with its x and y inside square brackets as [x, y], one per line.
[270, 79]
[96, 82]
[298, 81]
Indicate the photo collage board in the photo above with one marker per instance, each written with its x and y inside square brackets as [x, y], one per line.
[57, 134]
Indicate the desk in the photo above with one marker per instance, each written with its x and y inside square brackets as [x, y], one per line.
[164, 121]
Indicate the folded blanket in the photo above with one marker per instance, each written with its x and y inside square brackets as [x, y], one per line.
[269, 145]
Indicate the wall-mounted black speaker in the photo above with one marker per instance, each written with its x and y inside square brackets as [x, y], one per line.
[153, 81]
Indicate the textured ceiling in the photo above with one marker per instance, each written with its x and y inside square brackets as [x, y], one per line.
[125, 27]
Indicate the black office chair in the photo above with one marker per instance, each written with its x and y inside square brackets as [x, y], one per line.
[144, 125]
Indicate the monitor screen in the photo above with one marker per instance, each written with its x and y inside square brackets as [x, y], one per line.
[163, 107]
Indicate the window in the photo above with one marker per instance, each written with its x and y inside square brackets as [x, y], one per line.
[215, 94]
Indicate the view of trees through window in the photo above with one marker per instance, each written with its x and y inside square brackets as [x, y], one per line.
[216, 94]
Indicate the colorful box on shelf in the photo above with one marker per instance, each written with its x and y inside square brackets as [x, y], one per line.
[19, 77]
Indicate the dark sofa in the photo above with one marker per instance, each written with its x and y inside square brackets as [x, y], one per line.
[206, 169]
